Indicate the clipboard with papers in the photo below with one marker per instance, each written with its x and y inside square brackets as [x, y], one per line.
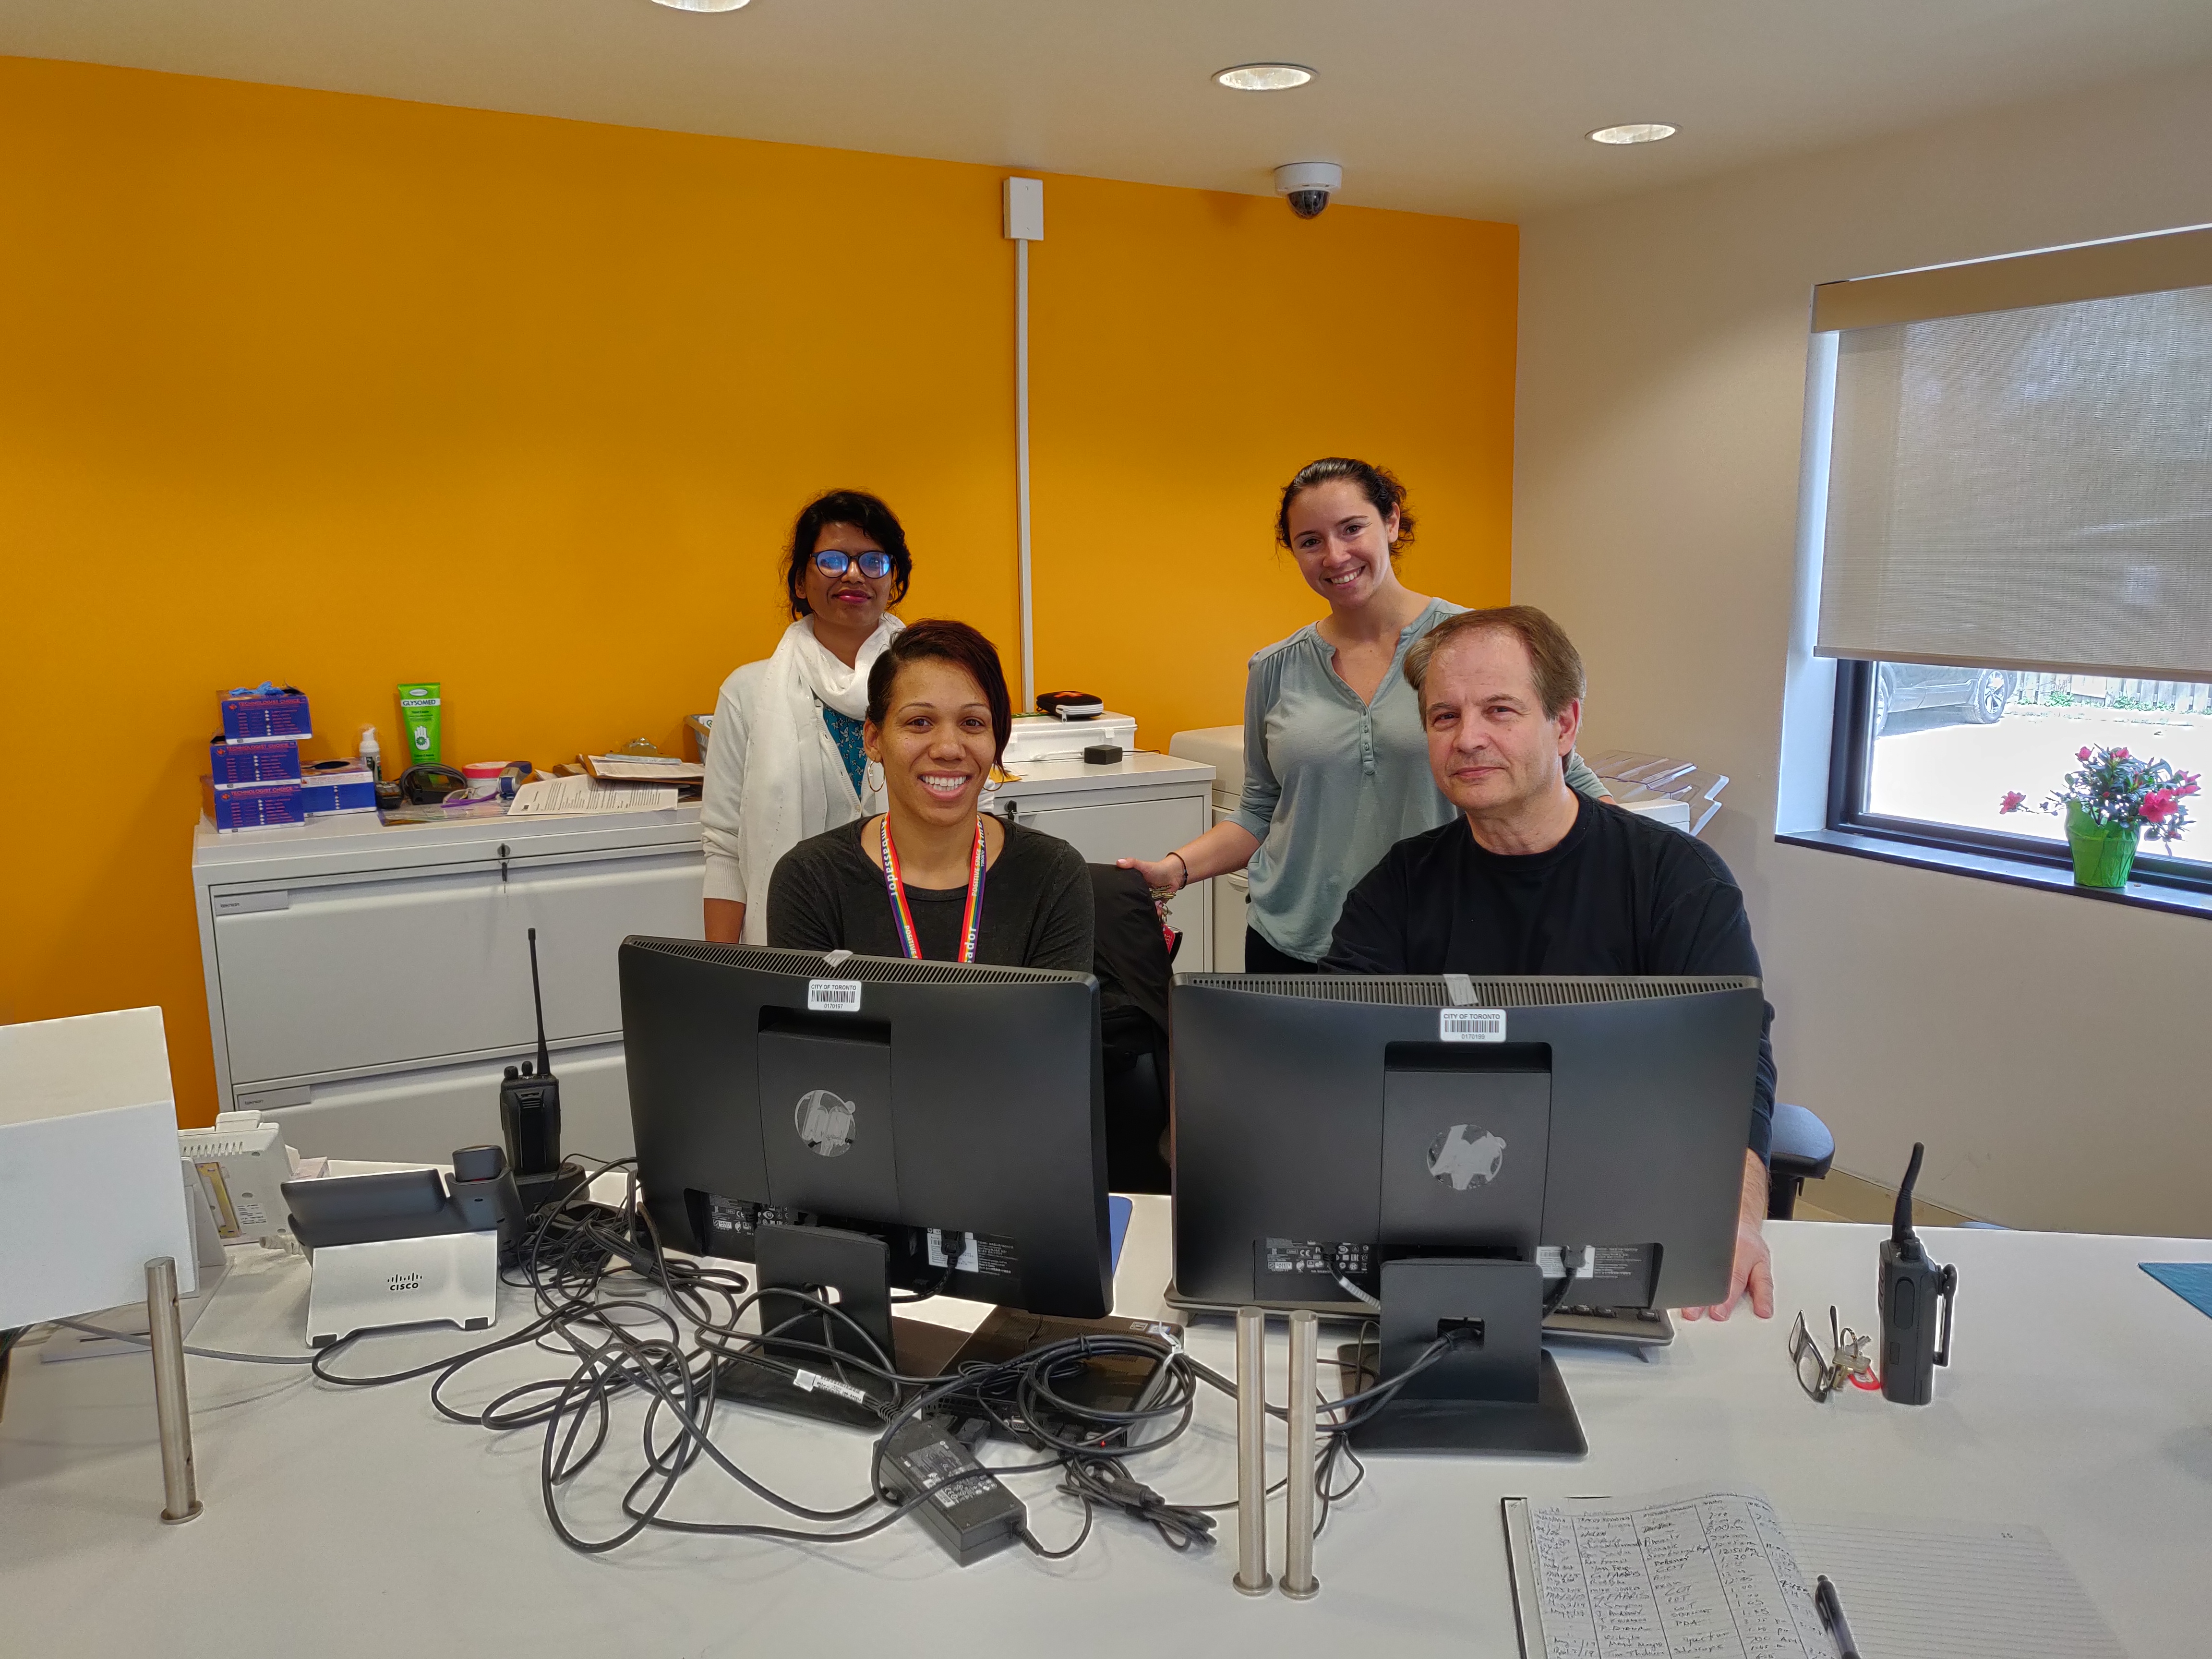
[1714, 1572]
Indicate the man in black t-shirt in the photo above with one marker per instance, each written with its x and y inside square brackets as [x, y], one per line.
[1532, 878]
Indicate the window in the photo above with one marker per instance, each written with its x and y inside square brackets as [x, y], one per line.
[1926, 754]
[2016, 557]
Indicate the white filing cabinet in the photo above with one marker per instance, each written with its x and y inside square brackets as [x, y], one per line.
[1138, 807]
[1222, 747]
[367, 984]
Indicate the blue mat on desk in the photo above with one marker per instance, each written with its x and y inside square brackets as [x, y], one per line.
[1118, 1210]
[2190, 1280]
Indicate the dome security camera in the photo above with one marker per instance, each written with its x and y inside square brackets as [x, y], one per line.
[1309, 185]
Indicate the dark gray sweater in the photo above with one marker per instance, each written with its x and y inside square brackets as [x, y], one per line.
[1618, 895]
[828, 894]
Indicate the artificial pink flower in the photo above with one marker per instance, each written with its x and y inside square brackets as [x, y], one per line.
[2082, 753]
[2119, 754]
[2012, 801]
[2159, 805]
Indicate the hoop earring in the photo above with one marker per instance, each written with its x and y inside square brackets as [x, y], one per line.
[991, 785]
[873, 775]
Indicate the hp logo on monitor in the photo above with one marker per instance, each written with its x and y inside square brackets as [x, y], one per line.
[826, 1123]
[1465, 1157]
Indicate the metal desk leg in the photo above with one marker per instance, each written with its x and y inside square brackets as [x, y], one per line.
[1252, 1576]
[1298, 1579]
[171, 1408]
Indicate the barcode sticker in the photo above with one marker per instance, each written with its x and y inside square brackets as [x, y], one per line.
[1471, 1025]
[806, 1382]
[833, 996]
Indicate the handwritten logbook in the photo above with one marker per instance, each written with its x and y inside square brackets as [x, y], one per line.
[1711, 1574]
[1705, 1573]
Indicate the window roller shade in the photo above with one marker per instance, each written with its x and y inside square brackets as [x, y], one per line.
[2029, 487]
[2060, 276]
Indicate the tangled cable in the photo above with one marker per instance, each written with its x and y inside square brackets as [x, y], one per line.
[633, 1320]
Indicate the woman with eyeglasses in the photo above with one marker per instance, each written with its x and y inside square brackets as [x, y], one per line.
[786, 761]
[1336, 758]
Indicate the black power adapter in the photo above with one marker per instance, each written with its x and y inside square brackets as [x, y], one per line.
[959, 1500]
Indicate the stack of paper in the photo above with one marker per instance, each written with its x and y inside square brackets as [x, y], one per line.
[643, 768]
[576, 796]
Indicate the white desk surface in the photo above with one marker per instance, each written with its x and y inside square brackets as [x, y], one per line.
[359, 1522]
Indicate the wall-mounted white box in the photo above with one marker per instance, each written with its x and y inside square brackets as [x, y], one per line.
[90, 1186]
[1024, 203]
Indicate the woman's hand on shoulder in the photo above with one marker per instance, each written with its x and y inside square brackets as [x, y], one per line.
[1168, 872]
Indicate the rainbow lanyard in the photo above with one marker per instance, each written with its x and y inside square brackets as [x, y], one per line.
[971, 919]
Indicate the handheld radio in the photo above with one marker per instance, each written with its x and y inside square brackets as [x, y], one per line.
[530, 1102]
[1911, 1286]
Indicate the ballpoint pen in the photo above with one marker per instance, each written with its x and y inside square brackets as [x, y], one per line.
[1831, 1615]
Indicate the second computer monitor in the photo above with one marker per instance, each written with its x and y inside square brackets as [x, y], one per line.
[1325, 1126]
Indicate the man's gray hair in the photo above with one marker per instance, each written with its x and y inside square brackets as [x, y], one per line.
[1557, 664]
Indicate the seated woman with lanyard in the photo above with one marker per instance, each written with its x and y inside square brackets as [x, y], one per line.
[933, 874]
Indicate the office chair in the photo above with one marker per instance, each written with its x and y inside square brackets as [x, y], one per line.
[1801, 1151]
[1135, 967]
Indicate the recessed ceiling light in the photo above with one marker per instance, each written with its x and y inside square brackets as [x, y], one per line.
[1637, 132]
[702, 5]
[1264, 77]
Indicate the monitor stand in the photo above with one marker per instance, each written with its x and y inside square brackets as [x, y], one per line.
[1500, 1394]
[856, 1266]
[811, 1260]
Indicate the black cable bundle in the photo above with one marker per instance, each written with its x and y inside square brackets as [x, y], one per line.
[624, 1340]
[635, 1321]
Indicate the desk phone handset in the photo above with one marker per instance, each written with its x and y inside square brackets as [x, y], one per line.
[1911, 1286]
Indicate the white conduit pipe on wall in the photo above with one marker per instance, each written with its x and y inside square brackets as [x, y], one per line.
[1025, 209]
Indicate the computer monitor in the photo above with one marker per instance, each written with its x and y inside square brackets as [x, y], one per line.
[1446, 1147]
[844, 1121]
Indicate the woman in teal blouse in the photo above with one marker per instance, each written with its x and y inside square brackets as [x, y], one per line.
[1336, 761]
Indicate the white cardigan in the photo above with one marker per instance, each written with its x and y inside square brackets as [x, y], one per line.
[722, 799]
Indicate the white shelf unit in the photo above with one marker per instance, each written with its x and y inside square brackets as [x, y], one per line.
[367, 984]
[1222, 747]
[1140, 806]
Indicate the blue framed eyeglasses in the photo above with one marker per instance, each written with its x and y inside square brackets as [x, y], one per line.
[835, 562]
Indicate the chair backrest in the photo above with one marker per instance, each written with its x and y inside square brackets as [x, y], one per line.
[1130, 956]
[1135, 970]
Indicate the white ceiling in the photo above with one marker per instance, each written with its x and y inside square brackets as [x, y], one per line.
[1473, 107]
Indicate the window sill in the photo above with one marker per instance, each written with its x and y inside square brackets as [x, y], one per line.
[1992, 867]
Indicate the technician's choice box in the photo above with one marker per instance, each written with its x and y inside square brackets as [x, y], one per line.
[258, 716]
[273, 760]
[254, 805]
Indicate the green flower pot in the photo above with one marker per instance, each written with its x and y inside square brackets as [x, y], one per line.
[2104, 853]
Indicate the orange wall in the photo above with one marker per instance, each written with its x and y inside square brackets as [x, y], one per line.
[1190, 352]
[342, 391]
